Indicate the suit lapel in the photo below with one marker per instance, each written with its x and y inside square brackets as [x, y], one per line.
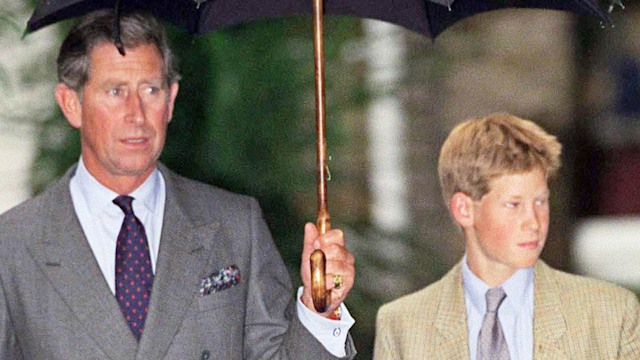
[548, 322]
[451, 339]
[184, 252]
[66, 259]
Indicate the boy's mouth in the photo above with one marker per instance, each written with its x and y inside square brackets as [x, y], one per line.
[531, 245]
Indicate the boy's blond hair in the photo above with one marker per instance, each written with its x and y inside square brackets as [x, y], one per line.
[480, 150]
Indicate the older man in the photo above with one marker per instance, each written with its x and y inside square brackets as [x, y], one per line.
[124, 259]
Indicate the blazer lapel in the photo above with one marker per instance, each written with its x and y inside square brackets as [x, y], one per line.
[548, 322]
[184, 252]
[66, 259]
[451, 340]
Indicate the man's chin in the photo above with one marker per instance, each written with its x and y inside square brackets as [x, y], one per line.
[136, 168]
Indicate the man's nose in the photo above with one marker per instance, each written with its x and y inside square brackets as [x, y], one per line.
[135, 107]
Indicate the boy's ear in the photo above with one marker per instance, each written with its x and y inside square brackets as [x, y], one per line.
[69, 102]
[461, 207]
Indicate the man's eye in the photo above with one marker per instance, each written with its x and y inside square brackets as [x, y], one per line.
[115, 91]
[152, 90]
[513, 205]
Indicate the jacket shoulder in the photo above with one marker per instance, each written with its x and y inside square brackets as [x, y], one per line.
[27, 217]
[581, 287]
[201, 200]
[424, 303]
[410, 304]
[601, 319]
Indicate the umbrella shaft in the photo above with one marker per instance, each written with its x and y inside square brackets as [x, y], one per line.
[321, 297]
[323, 212]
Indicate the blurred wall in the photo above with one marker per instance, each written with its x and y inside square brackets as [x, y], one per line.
[607, 240]
[26, 80]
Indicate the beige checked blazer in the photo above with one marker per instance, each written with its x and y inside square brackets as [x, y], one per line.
[574, 318]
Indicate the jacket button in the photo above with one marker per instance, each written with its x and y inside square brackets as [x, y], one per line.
[205, 355]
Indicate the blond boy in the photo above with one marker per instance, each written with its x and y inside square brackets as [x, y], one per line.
[500, 302]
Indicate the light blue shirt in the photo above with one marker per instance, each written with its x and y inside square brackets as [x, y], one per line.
[515, 312]
[101, 219]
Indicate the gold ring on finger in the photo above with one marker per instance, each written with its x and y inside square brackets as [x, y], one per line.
[337, 281]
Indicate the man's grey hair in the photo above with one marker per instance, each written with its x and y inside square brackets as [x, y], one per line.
[98, 27]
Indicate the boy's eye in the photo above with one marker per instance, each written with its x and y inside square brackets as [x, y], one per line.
[512, 204]
[541, 202]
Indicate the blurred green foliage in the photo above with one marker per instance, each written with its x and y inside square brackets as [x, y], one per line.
[238, 118]
[243, 120]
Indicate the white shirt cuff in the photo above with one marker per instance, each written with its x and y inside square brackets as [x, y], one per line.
[332, 334]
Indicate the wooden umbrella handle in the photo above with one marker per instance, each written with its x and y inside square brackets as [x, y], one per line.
[319, 291]
[321, 297]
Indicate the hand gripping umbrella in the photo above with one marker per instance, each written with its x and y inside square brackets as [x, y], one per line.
[427, 17]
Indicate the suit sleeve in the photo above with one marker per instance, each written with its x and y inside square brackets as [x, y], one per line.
[630, 338]
[272, 327]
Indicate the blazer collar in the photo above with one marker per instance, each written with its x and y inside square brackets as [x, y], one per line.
[185, 248]
[451, 319]
[66, 259]
[549, 325]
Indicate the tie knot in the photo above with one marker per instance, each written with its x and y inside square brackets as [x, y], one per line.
[124, 203]
[494, 297]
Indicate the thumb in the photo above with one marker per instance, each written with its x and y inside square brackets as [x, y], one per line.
[310, 234]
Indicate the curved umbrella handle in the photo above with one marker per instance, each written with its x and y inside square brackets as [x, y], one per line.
[319, 292]
[321, 296]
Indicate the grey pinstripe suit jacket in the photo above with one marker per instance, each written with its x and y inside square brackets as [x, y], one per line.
[55, 304]
[574, 318]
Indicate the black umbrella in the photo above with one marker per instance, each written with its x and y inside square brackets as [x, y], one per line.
[427, 17]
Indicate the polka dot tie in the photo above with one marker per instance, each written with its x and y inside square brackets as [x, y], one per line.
[134, 275]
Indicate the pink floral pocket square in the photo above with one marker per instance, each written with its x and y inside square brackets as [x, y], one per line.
[220, 280]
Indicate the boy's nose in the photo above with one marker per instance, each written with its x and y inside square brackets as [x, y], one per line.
[532, 220]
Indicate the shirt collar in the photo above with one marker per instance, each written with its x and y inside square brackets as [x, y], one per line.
[515, 287]
[98, 197]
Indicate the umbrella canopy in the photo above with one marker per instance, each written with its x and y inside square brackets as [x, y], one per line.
[427, 17]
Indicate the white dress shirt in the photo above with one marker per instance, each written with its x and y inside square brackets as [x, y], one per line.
[515, 312]
[101, 219]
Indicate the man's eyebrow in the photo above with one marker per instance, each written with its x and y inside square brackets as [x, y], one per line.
[112, 82]
[154, 81]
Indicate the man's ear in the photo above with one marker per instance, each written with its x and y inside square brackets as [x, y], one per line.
[461, 207]
[69, 102]
[173, 93]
